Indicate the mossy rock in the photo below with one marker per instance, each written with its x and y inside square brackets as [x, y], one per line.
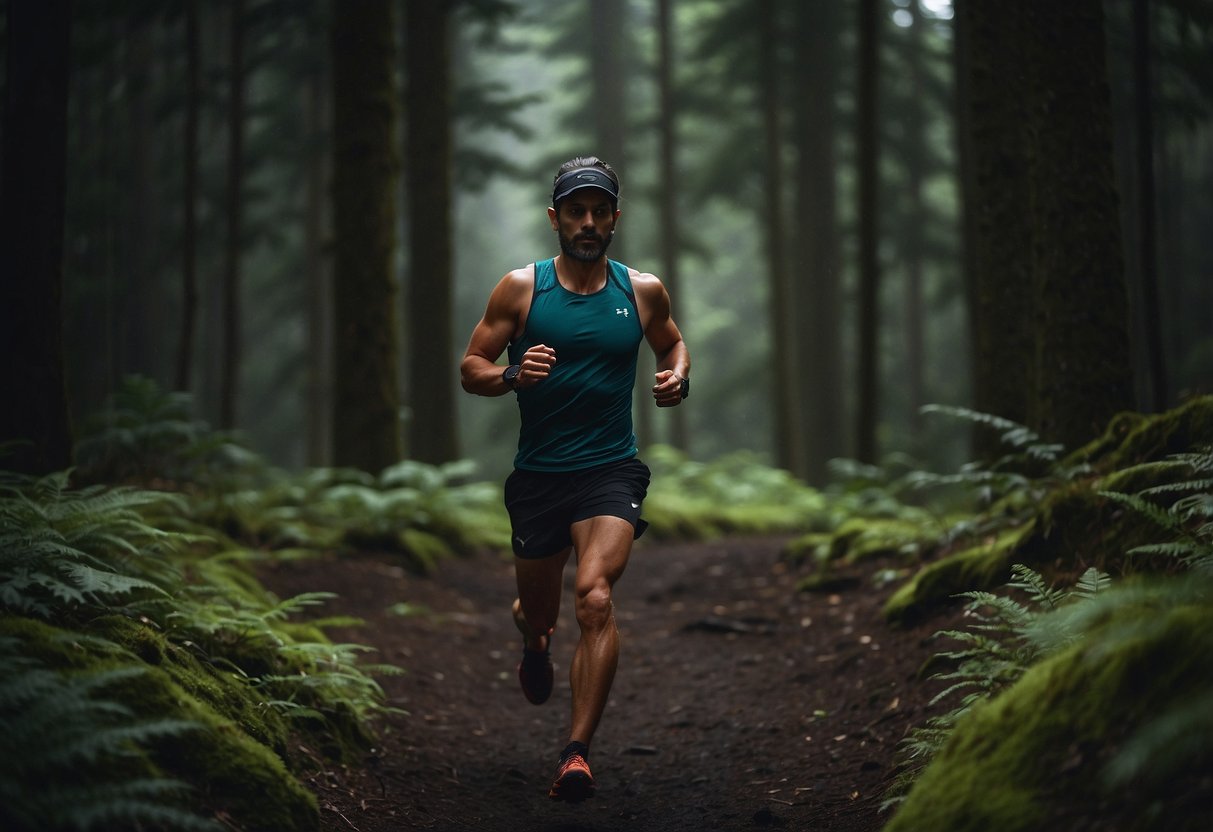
[1037, 756]
[810, 547]
[1132, 438]
[230, 771]
[866, 537]
[220, 690]
[1074, 528]
[981, 566]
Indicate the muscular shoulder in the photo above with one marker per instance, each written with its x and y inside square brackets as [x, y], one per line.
[513, 292]
[651, 296]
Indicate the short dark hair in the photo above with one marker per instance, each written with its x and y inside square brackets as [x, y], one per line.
[580, 162]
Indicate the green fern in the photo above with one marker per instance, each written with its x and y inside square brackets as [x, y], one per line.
[1004, 638]
[62, 747]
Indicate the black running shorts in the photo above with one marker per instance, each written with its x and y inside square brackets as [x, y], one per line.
[543, 505]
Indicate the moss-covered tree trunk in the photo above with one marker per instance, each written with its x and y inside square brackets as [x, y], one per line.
[1049, 301]
[993, 107]
[816, 288]
[366, 426]
[1083, 371]
[34, 171]
[433, 426]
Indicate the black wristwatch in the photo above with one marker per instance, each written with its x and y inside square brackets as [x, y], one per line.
[510, 375]
[686, 387]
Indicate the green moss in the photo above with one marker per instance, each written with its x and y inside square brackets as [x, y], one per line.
[864, 537]
[424, 549]
[814, 546]
[230, 770]
[1131, 438]
[982, 566]
[228, 695]
[1038, 753]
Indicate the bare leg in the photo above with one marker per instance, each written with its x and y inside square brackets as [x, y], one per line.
[540, 582]
[603, 546]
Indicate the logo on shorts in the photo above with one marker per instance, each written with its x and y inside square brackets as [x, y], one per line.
[635, 505]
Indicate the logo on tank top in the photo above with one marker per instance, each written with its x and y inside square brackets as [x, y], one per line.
[624, 312]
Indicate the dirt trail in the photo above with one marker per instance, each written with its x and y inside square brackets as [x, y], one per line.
[739, 704]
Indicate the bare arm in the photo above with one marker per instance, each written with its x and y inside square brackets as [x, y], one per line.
[503, 321]
[665, 339]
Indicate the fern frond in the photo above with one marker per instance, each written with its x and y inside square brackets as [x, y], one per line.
[1161, 517]
[1092, 582]
[1033, 583]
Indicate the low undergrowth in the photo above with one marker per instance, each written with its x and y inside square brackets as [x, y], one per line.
[1084, 705]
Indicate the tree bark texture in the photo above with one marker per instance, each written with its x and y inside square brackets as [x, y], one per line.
[366, 423]
[816, 288]
[432, 428]
[1083, 370]
[787, 444]
[994, 107]
[1051, 316]
[31, 238]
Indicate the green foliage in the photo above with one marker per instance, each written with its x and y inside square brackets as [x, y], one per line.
[733, 494]
[67, 756]
[98, 561]
[1113, 627]
[145, 433]
[63, 551]
[423, 512]
[1002, 641]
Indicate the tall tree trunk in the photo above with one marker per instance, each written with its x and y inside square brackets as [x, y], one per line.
[189, 230]
[915, 359]
[869, 239]
[993, 103]
[230, 374]
[1145, 215]
[787, 446]
[366, 420]
[319, 273]
[34, 179]
[433, 428]
[816, 290]
[137, 321]
[609, 71]
[1084, 372]
[668, 201]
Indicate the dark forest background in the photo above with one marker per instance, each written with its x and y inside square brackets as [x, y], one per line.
[294, 211]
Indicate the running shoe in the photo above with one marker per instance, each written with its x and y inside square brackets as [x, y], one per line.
[536, 674]
[573, 783]
[535, 671]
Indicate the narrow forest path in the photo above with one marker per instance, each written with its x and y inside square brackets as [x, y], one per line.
[740, 703]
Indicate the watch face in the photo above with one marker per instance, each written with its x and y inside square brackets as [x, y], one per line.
[511, 373]
[686, 387]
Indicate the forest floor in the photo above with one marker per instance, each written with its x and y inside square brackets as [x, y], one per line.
[740, 703]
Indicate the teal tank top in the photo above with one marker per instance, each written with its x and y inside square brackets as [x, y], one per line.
[580, 415]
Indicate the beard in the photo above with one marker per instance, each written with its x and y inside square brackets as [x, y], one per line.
[587, 248]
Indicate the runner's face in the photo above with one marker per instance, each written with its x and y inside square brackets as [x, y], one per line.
[584, 223]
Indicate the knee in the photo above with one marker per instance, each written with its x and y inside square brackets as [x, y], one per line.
[594, 605]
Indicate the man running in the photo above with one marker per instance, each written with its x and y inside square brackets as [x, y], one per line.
[572, 326]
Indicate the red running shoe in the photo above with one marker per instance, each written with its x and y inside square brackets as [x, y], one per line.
[574, 783]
